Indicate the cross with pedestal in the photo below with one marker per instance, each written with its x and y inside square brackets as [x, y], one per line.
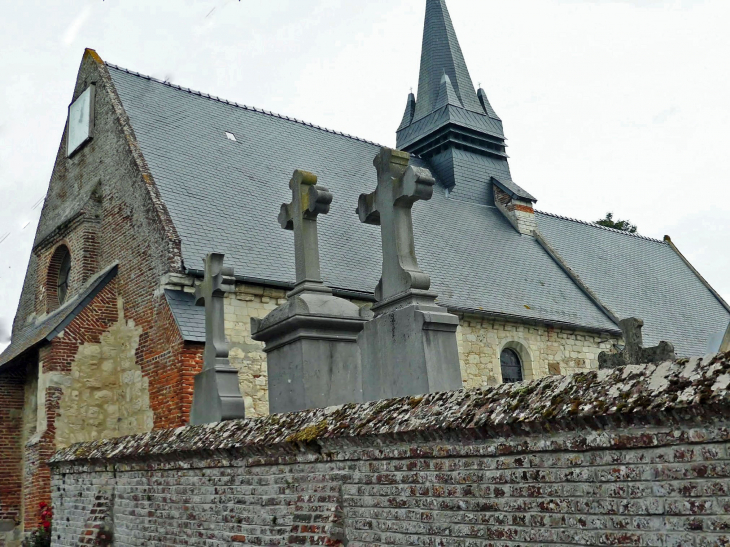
[399, 187]
[308, 202]
[217, 395]
[312, 354]
[410, 347]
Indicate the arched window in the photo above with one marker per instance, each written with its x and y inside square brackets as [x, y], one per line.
[511, 366]
[63, 272]
[59, 272]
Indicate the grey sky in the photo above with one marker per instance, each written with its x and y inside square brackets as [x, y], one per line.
[608, 105]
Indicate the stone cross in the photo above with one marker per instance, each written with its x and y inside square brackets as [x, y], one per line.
[216, 395]
[211, 295]
[725, 344]
[308, 202]
[399, 187]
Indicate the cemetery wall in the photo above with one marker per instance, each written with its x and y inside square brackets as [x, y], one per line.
[634, 456]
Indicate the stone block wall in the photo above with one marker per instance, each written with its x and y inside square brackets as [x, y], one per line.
[635, 456]
[543, 350]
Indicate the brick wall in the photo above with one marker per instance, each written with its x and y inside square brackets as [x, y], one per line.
[12, 395]
[636, 456]
[102, 205]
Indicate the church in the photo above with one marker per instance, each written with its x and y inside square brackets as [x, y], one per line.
[151, 177]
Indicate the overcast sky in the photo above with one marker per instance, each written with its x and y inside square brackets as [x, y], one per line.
[608, 105]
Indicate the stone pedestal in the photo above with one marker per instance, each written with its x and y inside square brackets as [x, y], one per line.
[217, 395]
[313, 357]
[409, 348]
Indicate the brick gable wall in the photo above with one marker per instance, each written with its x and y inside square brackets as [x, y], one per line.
[103, 206]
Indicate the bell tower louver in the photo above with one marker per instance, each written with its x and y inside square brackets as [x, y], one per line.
[450, 123]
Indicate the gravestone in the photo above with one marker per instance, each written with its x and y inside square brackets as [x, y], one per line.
[313, 359]
[720, 343]
[410, 347]
[217, 395]
[634, 352]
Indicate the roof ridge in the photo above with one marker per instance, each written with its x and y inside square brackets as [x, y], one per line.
[594, 225]
[239, 105]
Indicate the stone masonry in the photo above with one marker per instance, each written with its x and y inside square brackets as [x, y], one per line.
[544, 350]
[634, 456]
[107, 396]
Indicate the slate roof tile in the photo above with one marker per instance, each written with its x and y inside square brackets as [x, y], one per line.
[224, 196]
[637, 276]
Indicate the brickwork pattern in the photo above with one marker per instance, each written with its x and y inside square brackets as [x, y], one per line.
[636, 456]
[102, 205]
[519, 213]
[12, 395]
[107, 396]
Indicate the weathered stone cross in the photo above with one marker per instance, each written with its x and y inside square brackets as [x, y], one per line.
[217, 395]
[399, 187]
[308, 202]
[211, 295]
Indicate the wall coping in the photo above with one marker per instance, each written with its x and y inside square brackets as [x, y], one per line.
[679, 391]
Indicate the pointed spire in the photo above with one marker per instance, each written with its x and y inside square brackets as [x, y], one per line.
[410, 111]
[447, 95]
[482, 95]
[441, 53]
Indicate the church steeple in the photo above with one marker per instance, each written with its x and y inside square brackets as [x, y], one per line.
[450, 123]
[446, 94]
[441, 54]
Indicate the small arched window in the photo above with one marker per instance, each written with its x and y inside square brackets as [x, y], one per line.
[59, 273]
[511, 366]
[63, 273]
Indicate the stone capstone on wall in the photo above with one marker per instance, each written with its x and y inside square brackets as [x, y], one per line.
[633, 456]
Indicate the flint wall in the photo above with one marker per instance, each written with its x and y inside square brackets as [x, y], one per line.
[634, 456]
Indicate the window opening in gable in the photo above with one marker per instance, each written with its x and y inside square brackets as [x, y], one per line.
[63, 274]
[57, 280]
[230, 136]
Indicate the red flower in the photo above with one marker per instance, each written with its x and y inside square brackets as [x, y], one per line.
[43, 505]
[46, 526]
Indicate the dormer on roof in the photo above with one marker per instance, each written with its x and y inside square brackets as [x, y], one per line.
[450, 123]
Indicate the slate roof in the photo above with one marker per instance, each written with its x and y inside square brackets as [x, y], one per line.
[224, 196]
[637, 276]
[52, 325]
[190, 318]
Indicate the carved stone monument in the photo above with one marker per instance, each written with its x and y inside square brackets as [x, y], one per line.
[720, 342]
[313, 358]
[634, 352]
[217, 394]
[410, 347]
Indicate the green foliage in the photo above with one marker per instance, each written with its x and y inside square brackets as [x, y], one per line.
[623, 225]
[41, 537]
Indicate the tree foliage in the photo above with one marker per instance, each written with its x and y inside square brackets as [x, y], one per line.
[623, 225]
